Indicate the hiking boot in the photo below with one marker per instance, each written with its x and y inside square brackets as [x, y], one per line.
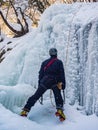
[24, 113]
[60, 114]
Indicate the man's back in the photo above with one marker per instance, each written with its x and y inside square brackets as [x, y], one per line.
[55, 70]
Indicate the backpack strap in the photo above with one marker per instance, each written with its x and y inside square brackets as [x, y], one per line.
[50, 63]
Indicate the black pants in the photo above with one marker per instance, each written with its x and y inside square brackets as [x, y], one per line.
[40, 91]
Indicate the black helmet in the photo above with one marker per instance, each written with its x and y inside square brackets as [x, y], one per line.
[53, 52]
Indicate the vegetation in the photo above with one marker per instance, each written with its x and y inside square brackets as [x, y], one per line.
[16, 15]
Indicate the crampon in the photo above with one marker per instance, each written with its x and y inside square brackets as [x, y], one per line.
[61, 115]
[24, 113]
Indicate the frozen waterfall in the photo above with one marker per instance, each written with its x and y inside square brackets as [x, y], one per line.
[73, 30]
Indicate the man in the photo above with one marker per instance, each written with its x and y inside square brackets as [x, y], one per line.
[51, 76]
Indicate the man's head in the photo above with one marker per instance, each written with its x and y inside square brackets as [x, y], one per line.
[53, 52]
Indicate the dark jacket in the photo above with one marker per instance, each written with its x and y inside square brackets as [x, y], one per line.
[55, 70]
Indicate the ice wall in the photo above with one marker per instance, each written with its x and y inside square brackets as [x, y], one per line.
[73, 30]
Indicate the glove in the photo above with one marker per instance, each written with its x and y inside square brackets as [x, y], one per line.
[59, 85]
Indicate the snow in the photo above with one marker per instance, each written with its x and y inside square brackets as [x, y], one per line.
[42, 117]
[73, 30]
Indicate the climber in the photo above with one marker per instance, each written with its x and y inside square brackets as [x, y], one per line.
[51, 76]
